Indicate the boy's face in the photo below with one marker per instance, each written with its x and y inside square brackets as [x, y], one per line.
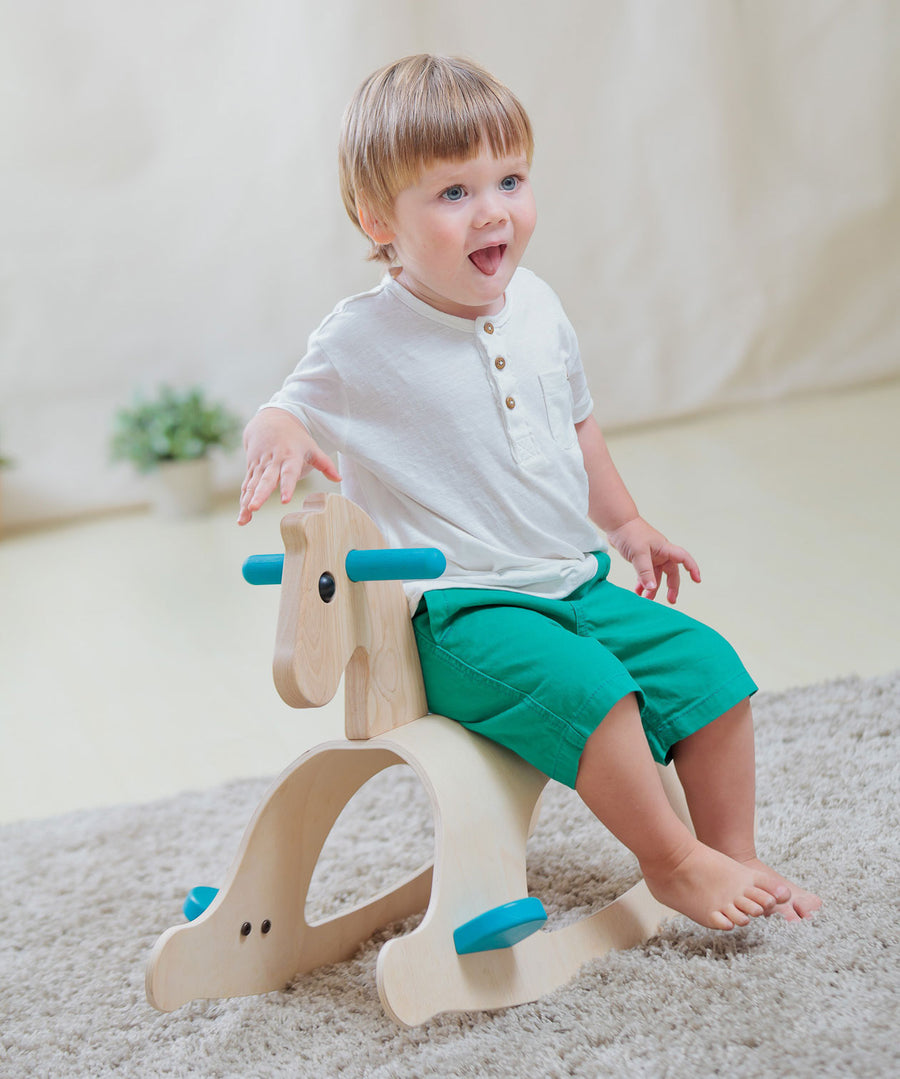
[460, 230]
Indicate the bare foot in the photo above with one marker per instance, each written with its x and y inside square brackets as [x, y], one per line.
[801, 904]
[713, 889]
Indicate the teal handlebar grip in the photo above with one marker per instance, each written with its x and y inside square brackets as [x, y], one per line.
[400, 564]
[263, 569]
[397, 564]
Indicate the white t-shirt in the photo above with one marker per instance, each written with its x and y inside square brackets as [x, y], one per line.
[457, 434]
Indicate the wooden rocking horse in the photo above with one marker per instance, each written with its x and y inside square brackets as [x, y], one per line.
[480, 944]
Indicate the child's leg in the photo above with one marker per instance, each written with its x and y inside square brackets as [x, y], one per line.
[717, 768]
[619, 782]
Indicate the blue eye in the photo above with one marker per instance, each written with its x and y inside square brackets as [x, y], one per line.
[453, 194]
[509, 183]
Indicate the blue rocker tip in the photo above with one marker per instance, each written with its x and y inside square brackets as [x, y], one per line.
[501, 927]
[198, 899]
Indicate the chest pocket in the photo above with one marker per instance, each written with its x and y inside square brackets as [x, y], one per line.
[558, 403]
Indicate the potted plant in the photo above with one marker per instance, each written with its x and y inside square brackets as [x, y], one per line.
[171, 435]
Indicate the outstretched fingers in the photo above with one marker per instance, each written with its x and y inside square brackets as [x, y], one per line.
[679, 557]
[664, 563]
[271, 472]
[260, 481]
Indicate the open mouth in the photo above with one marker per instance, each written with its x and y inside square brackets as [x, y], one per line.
[488, 259]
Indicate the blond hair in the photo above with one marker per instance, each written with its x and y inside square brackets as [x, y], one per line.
[416, 111]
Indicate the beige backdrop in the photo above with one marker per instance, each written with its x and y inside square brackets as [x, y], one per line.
[717, 185]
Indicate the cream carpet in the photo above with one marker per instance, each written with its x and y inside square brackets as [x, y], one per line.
[85, 895]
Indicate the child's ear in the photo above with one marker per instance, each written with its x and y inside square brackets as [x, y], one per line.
[377, 230]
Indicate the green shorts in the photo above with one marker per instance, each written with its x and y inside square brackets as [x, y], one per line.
[538, 675]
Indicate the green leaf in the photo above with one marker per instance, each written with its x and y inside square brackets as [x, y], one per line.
[174, 426]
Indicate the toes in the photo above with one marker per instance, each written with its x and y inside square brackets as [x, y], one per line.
[797, 904]
[777, 889]
[750, 907]
[736, 915]
[764, 899]
[719, 920]
[806, 904]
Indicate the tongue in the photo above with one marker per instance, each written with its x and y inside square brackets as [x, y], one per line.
[488, 259]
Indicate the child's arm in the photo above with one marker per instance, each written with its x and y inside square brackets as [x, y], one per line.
[280, 452]
[613, 509]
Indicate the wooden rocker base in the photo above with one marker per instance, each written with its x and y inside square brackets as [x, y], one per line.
[254, 938]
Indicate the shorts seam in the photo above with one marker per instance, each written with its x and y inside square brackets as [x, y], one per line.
[516, 695]
[664, 735]
[621, 676]
[628, 685]
[700, 702]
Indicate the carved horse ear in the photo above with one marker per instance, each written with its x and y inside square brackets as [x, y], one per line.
[328, 623]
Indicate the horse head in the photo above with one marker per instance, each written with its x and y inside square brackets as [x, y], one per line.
[328, 623]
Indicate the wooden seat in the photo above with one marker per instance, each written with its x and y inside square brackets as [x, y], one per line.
[254, 937]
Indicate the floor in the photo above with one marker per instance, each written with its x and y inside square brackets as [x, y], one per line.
[135, 662]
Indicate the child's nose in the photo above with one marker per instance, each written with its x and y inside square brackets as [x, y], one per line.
[490, 209]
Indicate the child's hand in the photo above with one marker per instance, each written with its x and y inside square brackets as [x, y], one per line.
[652, 556]
[280, 452]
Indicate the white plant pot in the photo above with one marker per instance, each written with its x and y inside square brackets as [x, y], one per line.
[183, 488]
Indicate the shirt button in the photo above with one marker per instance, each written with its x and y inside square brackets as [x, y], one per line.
[499, 363]
[489, 327]
[510, 402]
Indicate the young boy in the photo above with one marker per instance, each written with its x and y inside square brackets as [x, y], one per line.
[455, 395]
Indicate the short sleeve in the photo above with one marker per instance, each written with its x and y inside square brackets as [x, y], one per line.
[315, 394]
[582, 402]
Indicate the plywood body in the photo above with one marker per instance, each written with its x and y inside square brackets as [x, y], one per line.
[483, 798]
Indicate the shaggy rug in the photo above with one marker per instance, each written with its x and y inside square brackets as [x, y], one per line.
[85, 895]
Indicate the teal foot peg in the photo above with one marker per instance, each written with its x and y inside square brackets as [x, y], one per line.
[501, 927]
[198, 899]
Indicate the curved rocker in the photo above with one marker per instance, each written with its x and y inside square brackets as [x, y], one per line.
[254, 937]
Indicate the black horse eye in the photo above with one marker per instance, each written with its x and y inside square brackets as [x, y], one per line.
[326, 588]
